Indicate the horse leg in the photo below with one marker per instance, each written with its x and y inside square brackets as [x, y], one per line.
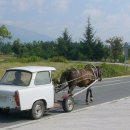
[87, 94]
[71, 88]
[100, 79]
[91, 95]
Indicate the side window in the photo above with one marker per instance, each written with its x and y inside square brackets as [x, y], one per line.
[42, 78]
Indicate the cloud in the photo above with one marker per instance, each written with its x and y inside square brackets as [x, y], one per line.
[93, 12]
[61, 5]
[2, 2]
[107, 17]
[27, 5]
[40, 5]
[3, 6]
[113, 25]
[108, 23]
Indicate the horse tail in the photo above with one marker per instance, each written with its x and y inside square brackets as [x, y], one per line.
[62, 78]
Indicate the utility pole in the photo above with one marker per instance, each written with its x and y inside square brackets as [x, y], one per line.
[125, 53]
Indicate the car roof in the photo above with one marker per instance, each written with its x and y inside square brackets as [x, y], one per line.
[33, 68]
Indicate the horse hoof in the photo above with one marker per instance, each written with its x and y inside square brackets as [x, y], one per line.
[87, 103]
[91, 99]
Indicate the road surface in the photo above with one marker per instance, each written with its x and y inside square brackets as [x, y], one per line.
[105, 91]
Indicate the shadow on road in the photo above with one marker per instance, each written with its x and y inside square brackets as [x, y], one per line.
[17, 117]
[13, 117]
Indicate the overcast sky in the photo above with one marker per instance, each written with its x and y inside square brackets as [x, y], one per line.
[108, 17]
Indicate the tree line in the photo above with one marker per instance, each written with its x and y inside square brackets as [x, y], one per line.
[88, 48]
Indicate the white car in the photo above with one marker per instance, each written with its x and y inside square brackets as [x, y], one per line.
[30, 88]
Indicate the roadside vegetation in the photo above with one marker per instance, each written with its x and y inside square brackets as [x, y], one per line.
[114, 70]
[108, 70]
[64, 53]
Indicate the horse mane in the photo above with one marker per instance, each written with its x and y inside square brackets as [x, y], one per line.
[95, 69]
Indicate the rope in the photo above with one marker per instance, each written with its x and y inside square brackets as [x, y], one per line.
[76, 79]
[84, 88]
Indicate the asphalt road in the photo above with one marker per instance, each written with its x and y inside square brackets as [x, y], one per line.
[105, 91]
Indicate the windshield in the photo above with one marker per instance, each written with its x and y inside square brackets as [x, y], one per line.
[16, 77]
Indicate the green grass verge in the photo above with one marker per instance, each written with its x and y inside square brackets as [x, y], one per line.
[113, 70]
[108, 70]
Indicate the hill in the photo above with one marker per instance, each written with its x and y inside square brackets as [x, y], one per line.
[26, 35]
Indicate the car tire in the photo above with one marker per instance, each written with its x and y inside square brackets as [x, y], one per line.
[38, 109]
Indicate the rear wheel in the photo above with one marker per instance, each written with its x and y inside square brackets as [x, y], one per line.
[38, 110]
[68, 104]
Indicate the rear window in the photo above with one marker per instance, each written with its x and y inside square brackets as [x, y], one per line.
[16, 77]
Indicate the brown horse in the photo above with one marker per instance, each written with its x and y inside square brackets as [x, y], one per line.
[81, 78]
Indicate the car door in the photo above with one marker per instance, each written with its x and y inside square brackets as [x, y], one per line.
[42, 89]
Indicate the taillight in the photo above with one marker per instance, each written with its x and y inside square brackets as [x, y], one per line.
[17, 98]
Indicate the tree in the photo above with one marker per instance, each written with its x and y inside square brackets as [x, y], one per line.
[64, 44]
[99, 50]
[76, 51]
[17, 48]
[89, 41]
[106, 52]
[6, 48]
[4, 33]
[116, 44]
[49, 49]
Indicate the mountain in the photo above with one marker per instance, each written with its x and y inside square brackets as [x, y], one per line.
[26, 35]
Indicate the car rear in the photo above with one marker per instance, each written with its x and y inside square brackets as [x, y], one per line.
[9, 98]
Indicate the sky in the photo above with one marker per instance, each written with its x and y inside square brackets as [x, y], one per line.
[50, 17]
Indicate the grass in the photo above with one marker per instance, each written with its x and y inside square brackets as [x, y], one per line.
[113, 70]
[7, 62]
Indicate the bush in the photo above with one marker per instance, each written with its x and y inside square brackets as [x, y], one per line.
[122, 59]
[58, 59]
[30, 59]
[112, 70]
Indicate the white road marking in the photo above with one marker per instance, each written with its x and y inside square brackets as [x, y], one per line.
[117, 77]
[111, 84]
[111, 81]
